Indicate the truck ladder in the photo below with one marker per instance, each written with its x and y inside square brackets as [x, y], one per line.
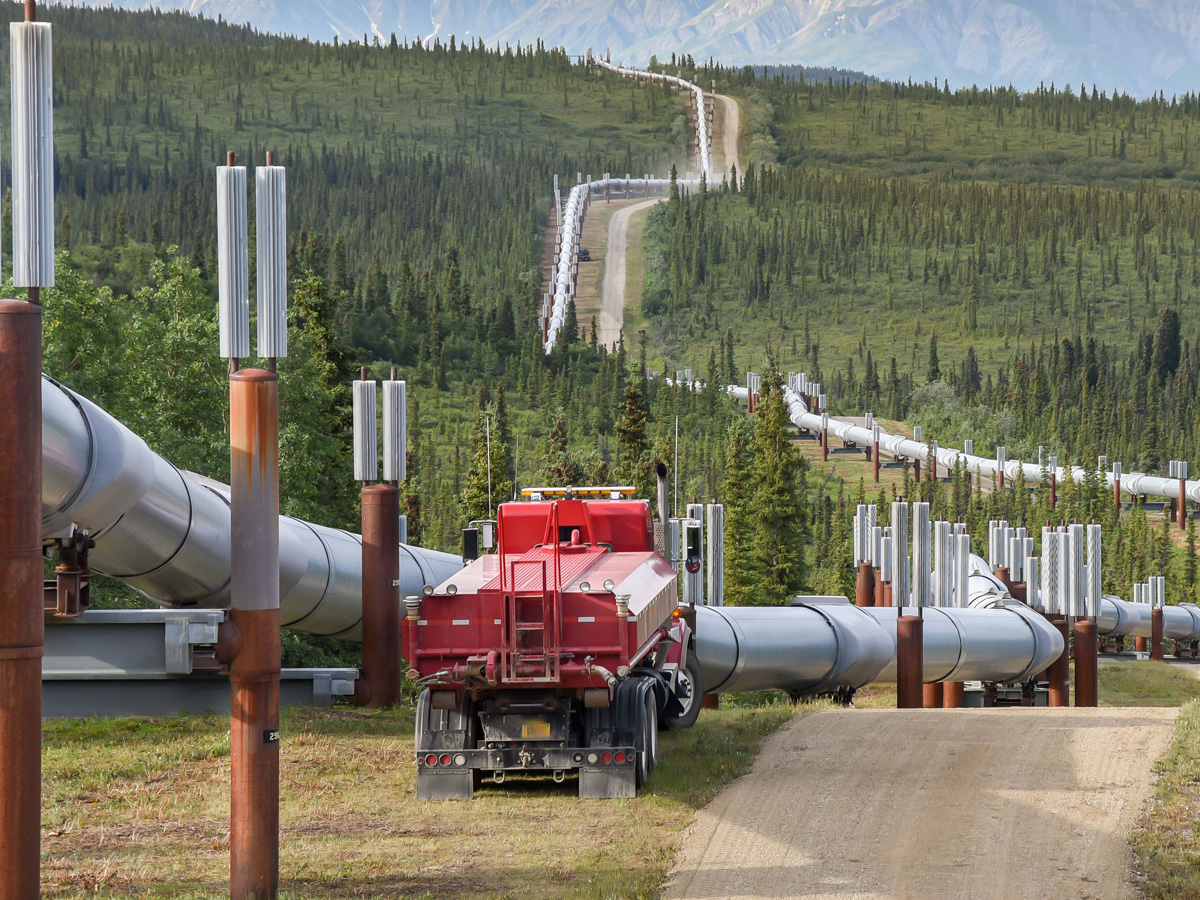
[532, 638]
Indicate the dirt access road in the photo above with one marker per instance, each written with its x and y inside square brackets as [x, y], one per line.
[729, 127]
[612, 302]
[899, 805]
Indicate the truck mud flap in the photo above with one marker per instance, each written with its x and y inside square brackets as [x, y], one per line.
[607, 784]
[457, 785]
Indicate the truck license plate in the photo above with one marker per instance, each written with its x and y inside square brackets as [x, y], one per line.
[535, 730]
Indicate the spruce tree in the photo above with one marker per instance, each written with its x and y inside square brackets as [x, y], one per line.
[779, 496]
[742, 573]
[633, 445]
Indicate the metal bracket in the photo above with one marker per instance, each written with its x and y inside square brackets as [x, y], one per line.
[69, 593]
[180, 635]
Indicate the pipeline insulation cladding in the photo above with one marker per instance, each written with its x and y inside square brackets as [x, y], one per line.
[233, 263]
[395, 431]
[32, 154]
[270, 235]
[1095, 569]
[366, 435]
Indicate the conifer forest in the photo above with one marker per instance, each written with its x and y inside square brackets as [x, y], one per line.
[1020, 269]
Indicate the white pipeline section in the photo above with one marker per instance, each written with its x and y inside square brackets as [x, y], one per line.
[167, 533]
[1133, 484]
[703, 134]
[822, 645]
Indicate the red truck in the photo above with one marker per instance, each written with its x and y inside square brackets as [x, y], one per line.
[563, 652]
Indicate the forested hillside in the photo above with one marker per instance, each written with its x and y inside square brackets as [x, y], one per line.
[1036, 293]
[1020, 269]
[419, 189]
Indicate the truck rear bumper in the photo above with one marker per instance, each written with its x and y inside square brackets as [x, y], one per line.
[604, 772]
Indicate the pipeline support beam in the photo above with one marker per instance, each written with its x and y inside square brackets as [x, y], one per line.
[21, 618]
[254, 671]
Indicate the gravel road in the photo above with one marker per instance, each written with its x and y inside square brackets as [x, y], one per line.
[612, 302]
[731, 129]
[878, 804]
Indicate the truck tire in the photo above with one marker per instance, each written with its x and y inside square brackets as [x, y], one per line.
[648, 722]
[689, 688]
[652, 728]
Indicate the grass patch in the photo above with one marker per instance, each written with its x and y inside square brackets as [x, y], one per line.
[1146, 683]
[1165, 846]
[140, 807]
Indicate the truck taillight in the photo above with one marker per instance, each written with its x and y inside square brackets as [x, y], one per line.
[620, 757]
[606, 757]
[431, 760]
[445, 760]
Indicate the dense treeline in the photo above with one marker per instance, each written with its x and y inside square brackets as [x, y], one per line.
[1065, 306]
[419, 186]
[1019, 269]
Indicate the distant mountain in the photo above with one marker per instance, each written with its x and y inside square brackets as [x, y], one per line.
[1140, 46]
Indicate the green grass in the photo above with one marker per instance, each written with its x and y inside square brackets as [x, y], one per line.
[1165, 845]
[1146, 683]
[139, 808]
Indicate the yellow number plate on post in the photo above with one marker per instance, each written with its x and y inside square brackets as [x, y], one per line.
[535, 730]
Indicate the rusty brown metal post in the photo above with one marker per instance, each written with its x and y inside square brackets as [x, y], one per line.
[864, 588]
[952, 695]
[379, 685]
[710, 701]
[1117, 494]
[1156, 634]
[1183, 510]
[824, 445]
[934, 695]
[1060, 669]
[1054, 490]
[1139, 644]
[254, 671]
[1000, 479]
[916, 470]
[1003, 575]
[21, 598]
[875, 461]
[878, 575]
[887, 593]
[909, 663]
[1087, 685]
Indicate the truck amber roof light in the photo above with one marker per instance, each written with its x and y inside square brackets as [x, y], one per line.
[609, 492]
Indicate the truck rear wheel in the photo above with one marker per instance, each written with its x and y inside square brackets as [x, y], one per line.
[647, 756]
[689, 688]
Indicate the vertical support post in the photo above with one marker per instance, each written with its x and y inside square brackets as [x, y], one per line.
[1158, 593]
[864, 589]
[1000, 461]
[909, 663]
[254, 670]
[379, 685]
[21, 617]
[875, 452]
[22, 630]
[1117, 486]
[1087, 685]
[715, 556]
[952, 695]
[1156, 634]
[1060, 669]
[1183, 510]
[933, 695]
[824, 437]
